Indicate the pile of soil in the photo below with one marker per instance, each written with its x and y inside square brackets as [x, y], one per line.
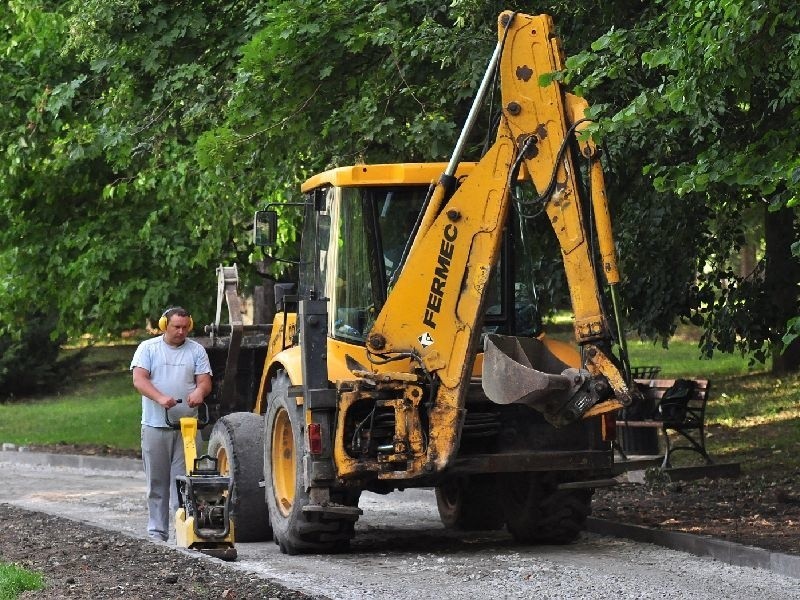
[81, 561]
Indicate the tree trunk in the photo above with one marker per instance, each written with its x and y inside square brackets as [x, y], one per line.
[747, 260]
[263, 297]
[781, 281]
[264, 303]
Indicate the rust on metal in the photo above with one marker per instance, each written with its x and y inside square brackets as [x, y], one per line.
[524, 73]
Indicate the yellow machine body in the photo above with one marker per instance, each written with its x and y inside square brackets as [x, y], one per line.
[201, 490]
[409, 354]
[433, 310]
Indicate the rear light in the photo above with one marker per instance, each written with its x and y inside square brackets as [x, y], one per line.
[609, 426]
[315, 438]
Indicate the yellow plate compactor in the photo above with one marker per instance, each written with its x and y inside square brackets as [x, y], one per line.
[202, 521]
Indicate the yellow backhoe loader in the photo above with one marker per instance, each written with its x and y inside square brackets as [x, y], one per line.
[408, 353]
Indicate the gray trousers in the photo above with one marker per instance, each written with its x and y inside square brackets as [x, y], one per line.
[162, 455]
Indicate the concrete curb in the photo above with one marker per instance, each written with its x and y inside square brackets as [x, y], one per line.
[74, 461]
[728, 552]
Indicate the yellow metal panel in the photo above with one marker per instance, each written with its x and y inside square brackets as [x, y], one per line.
[189, 436]
[576, 108]
[284, 327]
[535, 111]
[436, 301]
[385, 174]
[438, 294]
[566, 353]
[185, 536]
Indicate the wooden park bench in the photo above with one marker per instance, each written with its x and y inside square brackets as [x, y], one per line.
[685, 416]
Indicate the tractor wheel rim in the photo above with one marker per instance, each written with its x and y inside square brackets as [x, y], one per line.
[223, 466]
[284, 462]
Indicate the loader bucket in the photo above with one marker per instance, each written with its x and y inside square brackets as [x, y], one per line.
[524, 371]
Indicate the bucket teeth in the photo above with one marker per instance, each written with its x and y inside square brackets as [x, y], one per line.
[602, 408]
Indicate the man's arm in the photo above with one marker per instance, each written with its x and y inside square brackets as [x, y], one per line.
[203, 389]
[142, 383]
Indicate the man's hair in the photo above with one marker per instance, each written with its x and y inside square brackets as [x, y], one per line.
[176, 311]
[163, 321]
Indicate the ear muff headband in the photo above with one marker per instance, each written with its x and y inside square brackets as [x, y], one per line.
[162, 322]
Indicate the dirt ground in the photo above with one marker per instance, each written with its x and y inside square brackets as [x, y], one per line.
[762, 511]
[80, 561]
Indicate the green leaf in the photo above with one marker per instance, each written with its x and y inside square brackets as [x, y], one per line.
[546, 79]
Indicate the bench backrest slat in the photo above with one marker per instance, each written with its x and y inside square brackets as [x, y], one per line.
[654, 389]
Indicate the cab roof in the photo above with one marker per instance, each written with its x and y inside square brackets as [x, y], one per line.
[385, 174]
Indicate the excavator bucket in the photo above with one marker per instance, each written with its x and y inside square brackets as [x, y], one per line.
[524, 371]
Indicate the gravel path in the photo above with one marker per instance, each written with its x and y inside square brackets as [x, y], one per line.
[401, 552]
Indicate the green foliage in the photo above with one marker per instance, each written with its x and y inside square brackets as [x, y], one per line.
[100, 191]
[793, 331]
[29, 357]
[698, 103]
[374, 94]
[15, 580]
[139, 137]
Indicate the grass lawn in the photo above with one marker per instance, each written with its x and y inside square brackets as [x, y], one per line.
[755, 420]
[14, 580]
[99, 407]
[682, 359]
[753, 417]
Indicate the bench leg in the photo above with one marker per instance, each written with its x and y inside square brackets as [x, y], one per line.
[696, 445]
[667, 450]
[616, 446]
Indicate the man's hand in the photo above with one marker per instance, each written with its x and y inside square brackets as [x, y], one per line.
[142, 383]
[195, 398]
[167, 401]
[203, 389]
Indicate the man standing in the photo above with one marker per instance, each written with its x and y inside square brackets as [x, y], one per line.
[172, 373]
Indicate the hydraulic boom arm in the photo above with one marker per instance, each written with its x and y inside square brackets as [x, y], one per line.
[459, 239]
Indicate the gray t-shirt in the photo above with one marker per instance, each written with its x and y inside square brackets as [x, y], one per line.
[172, 370]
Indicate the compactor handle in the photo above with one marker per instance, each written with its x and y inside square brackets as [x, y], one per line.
[202, 419]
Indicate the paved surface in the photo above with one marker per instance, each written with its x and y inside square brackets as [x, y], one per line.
[402, 551]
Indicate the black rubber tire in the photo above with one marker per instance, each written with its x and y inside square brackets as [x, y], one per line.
[538, 512]
[296, 531]
[470, 503]
[240, 436]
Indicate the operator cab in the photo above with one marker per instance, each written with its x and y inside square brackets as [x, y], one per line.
[357, 223]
